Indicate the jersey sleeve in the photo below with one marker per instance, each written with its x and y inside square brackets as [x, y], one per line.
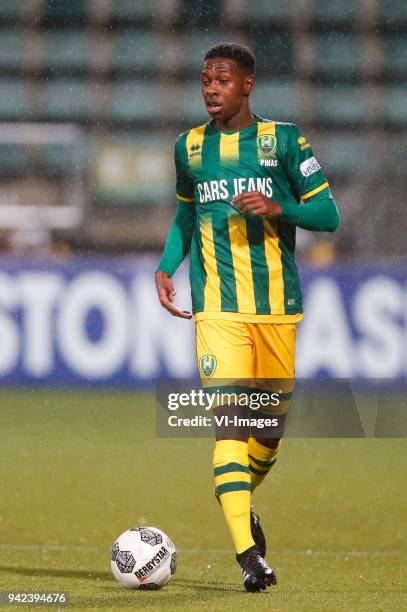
[184, 182]
[304, 170]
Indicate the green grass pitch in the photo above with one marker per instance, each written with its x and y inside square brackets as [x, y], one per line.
[77, 469]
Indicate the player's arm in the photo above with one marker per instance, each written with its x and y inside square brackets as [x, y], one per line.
[176, 248]
[318, 214]
[313, 206]
[178, 240]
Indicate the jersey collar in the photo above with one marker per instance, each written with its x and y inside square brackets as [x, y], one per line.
[257, 119]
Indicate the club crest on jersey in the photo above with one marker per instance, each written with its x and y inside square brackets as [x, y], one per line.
[266, 143]
[207, 365]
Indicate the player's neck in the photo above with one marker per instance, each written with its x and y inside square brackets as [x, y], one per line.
[242, 119]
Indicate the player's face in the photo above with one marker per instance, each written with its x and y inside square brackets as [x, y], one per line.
[225, 87]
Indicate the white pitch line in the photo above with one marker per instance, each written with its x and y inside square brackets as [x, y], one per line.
[48, 547]
[216, 551]
[307, 553]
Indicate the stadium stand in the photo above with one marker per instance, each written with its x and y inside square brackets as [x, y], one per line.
[14, 100]
[12, 49]
[263, 11]
[342, 104]
[11, 11]
[119, 65]
[330, 14]
[66, 52]
[68, 100]
[128, 11]
[338, 54]
[277, 99]
[137, 50]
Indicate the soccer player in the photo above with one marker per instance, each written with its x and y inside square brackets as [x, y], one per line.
[243, 185]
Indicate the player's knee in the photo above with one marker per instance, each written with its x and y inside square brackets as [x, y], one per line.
[272, 443]
[227, 428]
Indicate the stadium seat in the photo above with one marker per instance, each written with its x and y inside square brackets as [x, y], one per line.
[334, 12]
[13, 158]
[192, 13]
[264, 10]
[66, 11]
[274, 53]
[136, 101]
[395, 104]
[393, 12]
[190, 108]
[341, 104]
[129, 10]
[14, 100]
[194, 48]
[67, 49]
[10, 10]
[395, 53]
[62, 158]
[276, 99]
[12, 49]
[134, 49]
[343, 153]
[338, 53]
[69, 100]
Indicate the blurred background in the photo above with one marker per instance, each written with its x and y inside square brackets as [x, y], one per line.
[93, 94]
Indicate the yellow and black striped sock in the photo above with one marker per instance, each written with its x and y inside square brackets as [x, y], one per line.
[232, 480]
[261, 459]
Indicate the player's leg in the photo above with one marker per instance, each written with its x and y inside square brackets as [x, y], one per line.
[228, 346]
[263, 455]
[274, 367]
[273, 357]
[230, 467]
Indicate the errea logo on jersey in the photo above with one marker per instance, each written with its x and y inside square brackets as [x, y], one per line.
[195, 150]
[302, 141]
[309, 166]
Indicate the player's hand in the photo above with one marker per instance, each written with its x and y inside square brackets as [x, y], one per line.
[257, 203]
[166, 293]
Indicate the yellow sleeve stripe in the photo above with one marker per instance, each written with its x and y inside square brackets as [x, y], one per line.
[314, 191]
[185, 199]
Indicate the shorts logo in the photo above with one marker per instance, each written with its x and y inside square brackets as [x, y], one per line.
[266, 145]
[207, 365]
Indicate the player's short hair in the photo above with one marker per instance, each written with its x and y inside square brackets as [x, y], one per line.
[241, 54]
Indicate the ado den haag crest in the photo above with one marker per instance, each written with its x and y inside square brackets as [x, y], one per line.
[266, 143]
[207, 365]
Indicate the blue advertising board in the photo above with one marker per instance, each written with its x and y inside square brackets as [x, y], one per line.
[97, 321]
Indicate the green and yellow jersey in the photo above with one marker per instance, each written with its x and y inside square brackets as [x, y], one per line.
[242, 267]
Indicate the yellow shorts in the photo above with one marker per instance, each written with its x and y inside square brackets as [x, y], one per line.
[235, 350]
[257, 355]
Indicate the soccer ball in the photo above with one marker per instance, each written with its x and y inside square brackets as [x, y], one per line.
[143, 558]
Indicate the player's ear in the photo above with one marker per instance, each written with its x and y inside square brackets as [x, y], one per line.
[249, 83]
